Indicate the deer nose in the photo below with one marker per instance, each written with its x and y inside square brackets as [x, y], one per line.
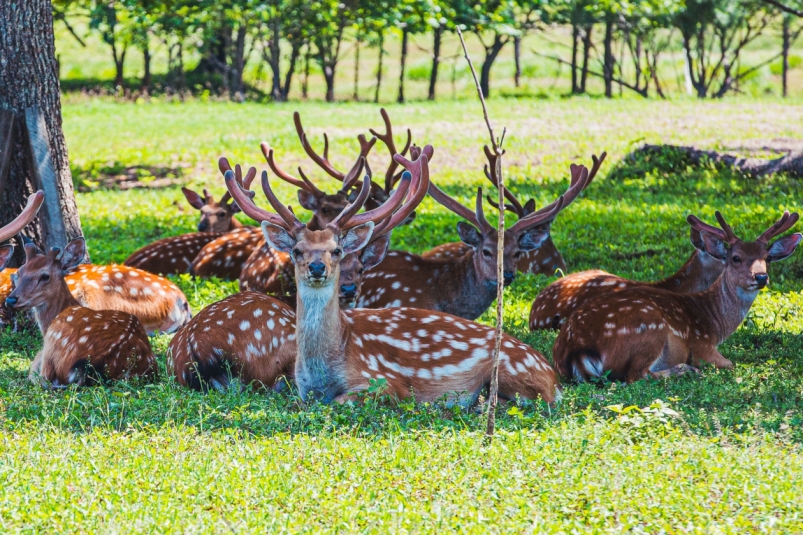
[11, 301]
[317, 269]
[348, 290]
[762, 279]
[509, 276]
[202, 226]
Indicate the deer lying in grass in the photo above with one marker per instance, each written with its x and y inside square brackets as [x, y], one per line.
[251, 336]
[643, 330]
[81, 346]
[465, 286]
[428, 354]
[173, 255]
[546, 259]
[557, 301]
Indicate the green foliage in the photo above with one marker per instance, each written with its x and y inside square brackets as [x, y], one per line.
[720, 453]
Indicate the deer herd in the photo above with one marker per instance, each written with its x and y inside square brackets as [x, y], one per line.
[325, 304]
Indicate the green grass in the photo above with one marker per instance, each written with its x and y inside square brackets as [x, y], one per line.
[721, 453]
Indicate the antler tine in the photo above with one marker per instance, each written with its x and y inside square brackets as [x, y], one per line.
[786, 222]
[597, 163]
[699, 225]
[25, 217]
[578, 183]
[356, 170]
[223, 165]
[291, 221]
[490, 174]
[323, 162]
[387, 139]
[727, 228]
[418, 188]
[245, 202]
[452, 205]
[486, 227]
[309, 186]
[249, 178]
[508, 207]
[340, 222]
[267, 151]
[383, 211]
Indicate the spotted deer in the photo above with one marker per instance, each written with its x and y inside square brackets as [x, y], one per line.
[546, 259]
[557, 301]
[225, 256]
[428, 354]
[645, 331]
[81, 346]
[174, 255]
[464, 286]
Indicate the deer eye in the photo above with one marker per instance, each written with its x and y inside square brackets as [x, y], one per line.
[45, 277]
[517, 254]
[736, 259]
[296, 252]
[15, 279]
[486, 253]
[336, 252]
[221, 214]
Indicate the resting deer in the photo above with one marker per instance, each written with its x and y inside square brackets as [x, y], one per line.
[173, 255]
[224, 256]
[557, 301]
[643, 330]
[546, 259]
[424, 353]
[81, 346]
[465, 286]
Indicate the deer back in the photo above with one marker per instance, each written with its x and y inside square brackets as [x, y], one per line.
[545, 260]
[225, 256]
[247, 336]
[172, 255]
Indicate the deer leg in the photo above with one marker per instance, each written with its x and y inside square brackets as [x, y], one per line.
[712, 355]
[680, 369]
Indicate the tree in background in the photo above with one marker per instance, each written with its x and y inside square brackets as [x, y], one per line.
[411, 19]
[110, 18]
[282, 20]
[327, 23]
[440, 20]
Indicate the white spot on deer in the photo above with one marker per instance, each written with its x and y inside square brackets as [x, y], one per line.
[623, 330]
[69, 318]
[257, 312]
[231, 338]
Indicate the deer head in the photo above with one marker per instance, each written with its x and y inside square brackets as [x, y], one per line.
[527, 234]
[215, 216]
[41, 278]
[746, 261]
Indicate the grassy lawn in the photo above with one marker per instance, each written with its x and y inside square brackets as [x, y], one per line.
[719, 453]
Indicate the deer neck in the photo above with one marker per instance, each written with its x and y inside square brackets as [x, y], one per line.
[723, 307]
[47, 312]
[463, 292]
[697, 274]
[234, 224]
[321, 333]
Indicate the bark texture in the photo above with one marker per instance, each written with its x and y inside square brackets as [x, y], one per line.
[30, 78]
[791, 163]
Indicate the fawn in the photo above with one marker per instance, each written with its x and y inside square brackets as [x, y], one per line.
[418, 352]
[81, 346]
[557, 301]
[643, 330]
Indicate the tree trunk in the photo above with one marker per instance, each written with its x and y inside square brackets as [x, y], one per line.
[29, 79]
[491, 54]
[790, 164]
[146, 61]
[607, 68]
[356, 95]
[405, 37]
[275, 59]
[436, 60]
[586, 56]
[119, 63]
[305, 82]
[288, 76]
[517, 58]
[785, 55]
[575, 47]
[379, 69]
[238, 87]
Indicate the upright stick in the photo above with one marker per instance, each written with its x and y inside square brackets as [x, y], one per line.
[500, 249]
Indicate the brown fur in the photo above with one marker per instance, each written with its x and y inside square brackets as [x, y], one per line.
[248, 336]
[225, 256]
[173, 255]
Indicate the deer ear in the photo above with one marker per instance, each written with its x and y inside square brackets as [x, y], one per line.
[784, 247]
[529, 207]
[308, 200]
[375, 252]
[6, 252]
[233, 207]
[469, 234]
[357, 238]
[697, 239]
[714, 246]
[195, 200]
[277, 237]
[532, 239]
[73, 255]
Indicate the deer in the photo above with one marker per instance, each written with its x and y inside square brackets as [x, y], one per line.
[560, 299]
[219, 344]
[423, 353]
[465, 286]
[224, 256]
[81, 346]
[174, 255]
[645, 331]
[545, 260]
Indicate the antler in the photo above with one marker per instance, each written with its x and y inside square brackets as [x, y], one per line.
[223, 165]
[785, 223]
[387, 139]
[304, 183]
[490, 172]
[419, 170]
[243, 198]
[22, 220]
[725, 233]
[451, 204]
[347, 219]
